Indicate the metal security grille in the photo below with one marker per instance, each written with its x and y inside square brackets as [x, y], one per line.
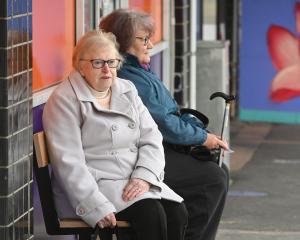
[182, 52]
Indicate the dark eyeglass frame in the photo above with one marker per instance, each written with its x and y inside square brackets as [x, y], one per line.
[145, 39]
[111, 63]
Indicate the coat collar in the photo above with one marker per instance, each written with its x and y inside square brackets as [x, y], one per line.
[132, 60]
[119, 102]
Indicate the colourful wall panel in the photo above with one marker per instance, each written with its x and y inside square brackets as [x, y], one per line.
[270, 61]
[53, 41]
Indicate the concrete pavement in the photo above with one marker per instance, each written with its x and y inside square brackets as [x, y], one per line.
[264, 197]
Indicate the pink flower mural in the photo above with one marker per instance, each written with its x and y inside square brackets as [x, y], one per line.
[284, 49]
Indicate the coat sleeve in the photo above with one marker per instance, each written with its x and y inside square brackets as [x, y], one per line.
[61, 122]
[175, 129]
[151, 161]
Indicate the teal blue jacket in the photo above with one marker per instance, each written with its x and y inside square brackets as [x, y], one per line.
[176, 129]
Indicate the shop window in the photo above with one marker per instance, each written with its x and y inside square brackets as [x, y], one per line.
[89, 15]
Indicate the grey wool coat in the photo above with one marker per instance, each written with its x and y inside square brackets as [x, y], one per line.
[95, 151]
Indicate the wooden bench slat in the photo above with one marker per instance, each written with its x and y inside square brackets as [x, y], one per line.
[40, 149]
[70, 223]
[123, 224]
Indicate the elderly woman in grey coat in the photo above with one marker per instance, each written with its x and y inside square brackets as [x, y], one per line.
[106, 150]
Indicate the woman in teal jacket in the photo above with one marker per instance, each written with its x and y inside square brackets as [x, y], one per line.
[202, 184]
[176, 129]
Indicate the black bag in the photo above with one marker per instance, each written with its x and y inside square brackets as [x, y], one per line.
[204, 154]
[199, 152]
[204, 119]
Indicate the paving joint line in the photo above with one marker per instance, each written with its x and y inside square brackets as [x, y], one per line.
[262, 232]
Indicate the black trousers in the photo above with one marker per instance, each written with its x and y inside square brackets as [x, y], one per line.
[156, 219]
[203, 185]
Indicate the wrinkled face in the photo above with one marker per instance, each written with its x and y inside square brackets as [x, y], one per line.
[141, 46]
[97, 74]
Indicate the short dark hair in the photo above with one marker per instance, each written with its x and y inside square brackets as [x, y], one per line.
[124, 23]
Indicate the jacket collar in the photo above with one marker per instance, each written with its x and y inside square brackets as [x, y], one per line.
[119, 102]
[133, 61]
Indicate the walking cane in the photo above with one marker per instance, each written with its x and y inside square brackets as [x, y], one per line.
[228, 99]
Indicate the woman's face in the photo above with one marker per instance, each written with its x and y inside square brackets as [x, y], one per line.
[141, 46]
[97, 76]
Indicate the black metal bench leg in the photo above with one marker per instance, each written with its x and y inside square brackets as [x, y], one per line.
[85, 236]
[125, 234]
[105, 234]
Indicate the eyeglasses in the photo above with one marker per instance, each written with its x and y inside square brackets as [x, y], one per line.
[145, 39]
[99, 63]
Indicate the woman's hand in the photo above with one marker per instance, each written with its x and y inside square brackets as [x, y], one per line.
[135, 188]
[214, 141]
[108, 221]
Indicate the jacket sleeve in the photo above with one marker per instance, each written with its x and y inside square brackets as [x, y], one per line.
[61, 122]
[151, 161]
[175, 129]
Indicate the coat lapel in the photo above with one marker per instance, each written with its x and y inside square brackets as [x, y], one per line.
[81, 89]
[119, 102]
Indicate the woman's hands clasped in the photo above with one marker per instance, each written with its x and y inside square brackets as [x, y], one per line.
[135, 188]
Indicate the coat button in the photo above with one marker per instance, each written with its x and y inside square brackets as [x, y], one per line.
[131, 125]
[114, 127]
[81, 211]
[162, 175]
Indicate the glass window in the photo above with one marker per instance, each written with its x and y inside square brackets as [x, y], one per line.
[209, 11]
[89, 15]
[106, 7]
[155, 9]
[156, 64]
[53, 40]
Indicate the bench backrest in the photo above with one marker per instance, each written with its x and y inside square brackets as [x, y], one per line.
[41, 149]
[54, 226]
